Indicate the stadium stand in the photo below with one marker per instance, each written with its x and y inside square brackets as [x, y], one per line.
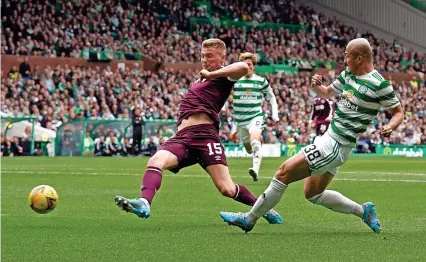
[171, 31]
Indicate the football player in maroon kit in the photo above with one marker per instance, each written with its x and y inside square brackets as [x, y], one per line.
[321, 115]
[197, 139]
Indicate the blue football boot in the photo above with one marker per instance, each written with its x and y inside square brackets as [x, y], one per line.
[238, 220]
[138, 206]
[370, 217]
[273, 217]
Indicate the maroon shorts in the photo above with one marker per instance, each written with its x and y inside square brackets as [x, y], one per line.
[199, 144]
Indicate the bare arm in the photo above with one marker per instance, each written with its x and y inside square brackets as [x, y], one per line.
[396, 120]
[234, 71]
[321, 90]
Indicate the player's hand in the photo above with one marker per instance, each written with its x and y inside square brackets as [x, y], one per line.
[386, 131]
[316, 80]
[275, 118]
[205, 74]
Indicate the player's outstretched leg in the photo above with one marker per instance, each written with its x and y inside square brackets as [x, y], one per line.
[151, 183]
[221, 178]
[294, 169]
[315, 192]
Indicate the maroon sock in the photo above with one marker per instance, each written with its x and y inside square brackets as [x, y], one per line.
[151, 182]
[244, 196]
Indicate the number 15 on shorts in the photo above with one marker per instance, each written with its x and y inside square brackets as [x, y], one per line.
[214, 148]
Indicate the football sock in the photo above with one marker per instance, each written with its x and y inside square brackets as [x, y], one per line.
[151, 182]
[257, 154]
[337, 202]
[243, 195]
[267, 200]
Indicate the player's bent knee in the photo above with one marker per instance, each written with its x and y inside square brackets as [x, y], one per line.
[227, 191]
[313, 198]
[284, 173]
[157, 160]
[312, 192]
[154, 161]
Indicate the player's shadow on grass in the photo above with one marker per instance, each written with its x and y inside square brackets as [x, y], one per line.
[292, 234]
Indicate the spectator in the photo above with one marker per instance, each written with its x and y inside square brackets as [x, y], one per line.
[25, 70]
[127, 149]
[150, 148]
[114, 147]
[17, 146]
[89, 145]
[101, 148]
[8, 148]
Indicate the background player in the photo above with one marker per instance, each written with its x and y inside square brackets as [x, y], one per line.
[247, 103]
[197, 139]
[364, 91]
[322, 112]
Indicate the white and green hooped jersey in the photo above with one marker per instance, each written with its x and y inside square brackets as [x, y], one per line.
[362, 98]
[248, 98]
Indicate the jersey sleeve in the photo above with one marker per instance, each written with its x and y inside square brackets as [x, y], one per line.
[266, 89]
[231, 79]
[338, 84]
[386, 95]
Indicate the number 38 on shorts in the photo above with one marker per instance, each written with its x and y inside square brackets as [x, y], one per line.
[326, 155]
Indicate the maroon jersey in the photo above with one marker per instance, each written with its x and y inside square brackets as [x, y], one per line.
[321, 111]
[206, 96]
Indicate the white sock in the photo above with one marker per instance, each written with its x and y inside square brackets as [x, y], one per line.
[337, 202]
[145, 201]
[257, 154]
[267, 200]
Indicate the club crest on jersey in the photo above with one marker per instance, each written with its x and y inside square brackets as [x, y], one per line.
[348, 94]
[363, 89]
[248, 92]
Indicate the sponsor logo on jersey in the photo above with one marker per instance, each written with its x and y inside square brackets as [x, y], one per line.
[346, 103]
[247, 97]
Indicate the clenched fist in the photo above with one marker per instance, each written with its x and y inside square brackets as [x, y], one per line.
[205, 74]
[316, 80]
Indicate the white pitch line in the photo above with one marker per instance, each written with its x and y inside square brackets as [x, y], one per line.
[200, 176]
[382, 173]
[379, 180]
[140, 171]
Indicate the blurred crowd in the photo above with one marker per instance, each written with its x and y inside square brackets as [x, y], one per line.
[58, 95]
[162, 30]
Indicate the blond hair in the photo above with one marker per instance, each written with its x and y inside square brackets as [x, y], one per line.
[248, 55]
[214, 43]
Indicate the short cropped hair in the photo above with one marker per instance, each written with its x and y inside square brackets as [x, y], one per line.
[248, 55]
[214, 43]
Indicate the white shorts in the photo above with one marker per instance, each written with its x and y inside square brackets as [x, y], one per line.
[326, 155]
[244, 131]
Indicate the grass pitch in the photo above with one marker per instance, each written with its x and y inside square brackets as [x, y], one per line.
[185, 224]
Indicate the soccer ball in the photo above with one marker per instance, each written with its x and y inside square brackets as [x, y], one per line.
[43, 199]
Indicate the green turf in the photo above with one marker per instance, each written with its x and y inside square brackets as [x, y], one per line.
[185, 223]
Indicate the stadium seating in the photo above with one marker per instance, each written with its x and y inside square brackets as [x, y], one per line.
[168, 31]
[171, 31]
[58, 95]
